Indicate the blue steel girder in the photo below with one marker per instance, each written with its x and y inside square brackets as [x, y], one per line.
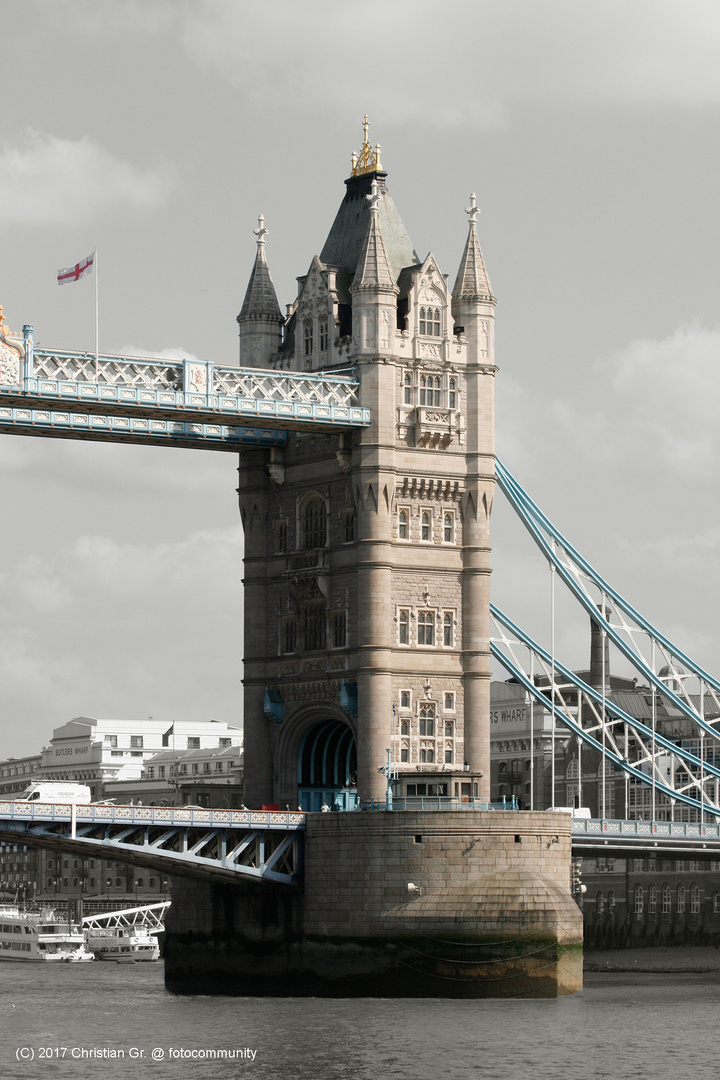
[185, 391]
[665, 666]
[139, 430]
[210, 844]
[601, 836]
[597, 725]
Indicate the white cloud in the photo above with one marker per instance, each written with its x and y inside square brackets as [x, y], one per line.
[52, 181]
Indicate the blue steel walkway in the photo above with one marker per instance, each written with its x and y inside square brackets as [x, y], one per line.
[217, 845]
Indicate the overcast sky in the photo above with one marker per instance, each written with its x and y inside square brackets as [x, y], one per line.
[158, 130]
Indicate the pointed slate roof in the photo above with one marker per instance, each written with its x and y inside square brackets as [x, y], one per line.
[346, 239]
[373, 268]
[472, 281]
[260, 297]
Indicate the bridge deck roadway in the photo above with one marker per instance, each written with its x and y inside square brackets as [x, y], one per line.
[220, 845]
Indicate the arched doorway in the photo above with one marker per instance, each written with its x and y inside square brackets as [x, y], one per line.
[327, 767]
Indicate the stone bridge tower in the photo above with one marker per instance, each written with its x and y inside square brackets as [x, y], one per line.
[367, 556]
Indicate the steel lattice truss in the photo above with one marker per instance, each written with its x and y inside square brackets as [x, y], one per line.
[631, 745]
[678, 681]
[150, 917]
[218, 845]
[181, 402]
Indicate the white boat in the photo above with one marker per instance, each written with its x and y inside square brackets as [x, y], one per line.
[129, 944]
[40, 936]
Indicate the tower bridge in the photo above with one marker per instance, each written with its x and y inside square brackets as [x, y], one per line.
[364, 423]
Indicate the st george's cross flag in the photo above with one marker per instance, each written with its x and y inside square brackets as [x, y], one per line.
[74, 273]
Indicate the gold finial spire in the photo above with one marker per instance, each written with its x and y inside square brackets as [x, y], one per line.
[368, 160]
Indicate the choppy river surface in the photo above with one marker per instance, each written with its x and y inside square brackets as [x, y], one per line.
[116, 1022]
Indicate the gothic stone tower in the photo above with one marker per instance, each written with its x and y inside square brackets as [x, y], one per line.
[367, 556]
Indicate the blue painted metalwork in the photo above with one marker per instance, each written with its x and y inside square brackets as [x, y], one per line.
[229, 845]
[273, 704]
[655, 836]
[540, 694]
[54, 423]
[540, 528]
[185, 391]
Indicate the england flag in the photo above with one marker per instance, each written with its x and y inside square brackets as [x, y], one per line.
[74, 273]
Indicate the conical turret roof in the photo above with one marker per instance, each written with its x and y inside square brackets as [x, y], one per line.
[373, 268]
[260, 297]
[472, 281]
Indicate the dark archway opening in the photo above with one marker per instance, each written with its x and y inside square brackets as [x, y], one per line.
[327, 767]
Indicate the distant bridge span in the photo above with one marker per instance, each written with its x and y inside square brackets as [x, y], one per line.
[215, 845]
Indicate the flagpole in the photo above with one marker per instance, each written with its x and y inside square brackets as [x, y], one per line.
[97, 366]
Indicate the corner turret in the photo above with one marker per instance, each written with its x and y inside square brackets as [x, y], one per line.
[260, 319]
[473, 304]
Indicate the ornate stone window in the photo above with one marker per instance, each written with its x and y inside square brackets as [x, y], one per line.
[448, 755]
[450, 701]
[426, 627]
[314, 525]
[403, 524]
[349, 526]
[427, 754]
[430, 391]
[339, 629]
[448, 629]
[448, 527]
[313, 622]
[404, 753]
[404, 627]
[407, 389]
[449, 729]
[404, 727]
[405, 699]
[427, 718]
[430, 321]
[307, 337]
[426, 526]
[281, 536]
[323, 335]
[452, 393]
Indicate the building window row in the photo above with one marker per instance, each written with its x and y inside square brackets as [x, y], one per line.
[428, 526]
[314, 629]
[430, 391]
[432, 627]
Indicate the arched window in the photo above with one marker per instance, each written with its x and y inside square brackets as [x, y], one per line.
[666, 901]
[314, 627]
[502, 768]
[403, 621]
[452, 394]
[571, 772]
[426, 525]
[694, 899]
[314, 529]
[681, 900]
[638, 899]
[611, 903]
[430, 321]
[290, 635]
[403, 531]
[308, 337]
[448, 630]
[448, 528]
[600, 903]
[652, 900]
[407, 388]
[427, 718]
[716, 903]
[404, 727]
[323, 335]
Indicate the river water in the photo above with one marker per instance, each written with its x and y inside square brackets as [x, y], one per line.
[620, 1025]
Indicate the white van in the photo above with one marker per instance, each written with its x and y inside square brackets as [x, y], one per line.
[64, 791]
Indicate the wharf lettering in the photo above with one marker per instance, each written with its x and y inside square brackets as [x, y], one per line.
[509, 716]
